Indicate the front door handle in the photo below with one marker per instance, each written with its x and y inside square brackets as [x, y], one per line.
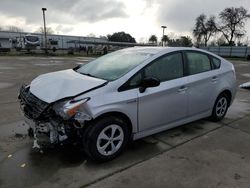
[182, 88]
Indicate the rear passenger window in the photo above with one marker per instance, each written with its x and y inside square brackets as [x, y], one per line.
[197, 62]
[216, 62]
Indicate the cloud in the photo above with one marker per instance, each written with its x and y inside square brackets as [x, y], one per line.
[140, 18]
[63, 11]
[179, 15]
[63, 29]
[92, 11]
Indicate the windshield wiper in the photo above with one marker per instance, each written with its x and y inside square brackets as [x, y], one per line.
[87, 74]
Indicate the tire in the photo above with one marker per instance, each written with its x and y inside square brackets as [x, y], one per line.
[106, 138]
[220, 107]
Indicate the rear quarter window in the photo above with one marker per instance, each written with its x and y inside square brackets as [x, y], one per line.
[216, 62]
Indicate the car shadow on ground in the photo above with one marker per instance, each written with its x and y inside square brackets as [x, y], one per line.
[71, 155]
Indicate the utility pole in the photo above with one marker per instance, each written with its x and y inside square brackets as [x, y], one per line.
[163, 28]
[44, 29]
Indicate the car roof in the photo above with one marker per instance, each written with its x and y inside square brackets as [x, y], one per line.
[156, 50]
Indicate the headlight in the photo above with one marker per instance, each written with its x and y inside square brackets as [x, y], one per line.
[67, 109]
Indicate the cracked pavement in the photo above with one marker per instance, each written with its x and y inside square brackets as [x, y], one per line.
[198, 154]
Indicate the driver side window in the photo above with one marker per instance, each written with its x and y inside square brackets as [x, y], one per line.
[166, 68]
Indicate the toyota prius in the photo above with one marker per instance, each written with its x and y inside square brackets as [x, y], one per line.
[127, 95]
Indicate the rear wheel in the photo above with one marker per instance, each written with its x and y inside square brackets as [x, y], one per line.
[220, 107]
[106, 138]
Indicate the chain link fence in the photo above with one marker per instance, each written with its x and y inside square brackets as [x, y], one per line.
[229, 51]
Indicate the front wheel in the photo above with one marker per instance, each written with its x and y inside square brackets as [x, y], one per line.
[220, 107]
[106, 138]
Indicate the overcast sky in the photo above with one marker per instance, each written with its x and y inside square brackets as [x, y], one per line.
[140, 18]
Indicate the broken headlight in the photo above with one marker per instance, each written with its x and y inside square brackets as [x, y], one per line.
[68, 109]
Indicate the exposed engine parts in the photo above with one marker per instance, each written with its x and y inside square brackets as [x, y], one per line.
[46, 126]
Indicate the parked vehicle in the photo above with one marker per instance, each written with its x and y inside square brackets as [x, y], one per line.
[127, 94]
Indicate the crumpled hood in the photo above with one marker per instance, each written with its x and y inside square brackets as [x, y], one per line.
[53, 86]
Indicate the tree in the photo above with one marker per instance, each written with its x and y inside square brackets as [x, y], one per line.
[153, 39]
[204, 29]
[165, 39]
[49, 30]
[185, 41]
[232, 23]
[15, 29]
[121, 37]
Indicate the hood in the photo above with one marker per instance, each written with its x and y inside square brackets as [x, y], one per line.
[54, 86]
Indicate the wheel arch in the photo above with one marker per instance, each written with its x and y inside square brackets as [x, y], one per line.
[121, 115]
[228, 94]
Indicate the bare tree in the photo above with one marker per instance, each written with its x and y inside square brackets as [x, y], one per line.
[15, 28]
[153, 39]
[204, 29]
[49, 30]
[232, 23]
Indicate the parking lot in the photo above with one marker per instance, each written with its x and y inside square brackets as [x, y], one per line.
[199, 154]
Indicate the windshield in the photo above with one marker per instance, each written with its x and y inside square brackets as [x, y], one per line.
[114, 65]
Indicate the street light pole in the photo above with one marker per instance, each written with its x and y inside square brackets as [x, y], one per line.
[163, 28]
[44, 28]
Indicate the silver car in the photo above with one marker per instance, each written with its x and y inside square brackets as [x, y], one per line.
[127, 94]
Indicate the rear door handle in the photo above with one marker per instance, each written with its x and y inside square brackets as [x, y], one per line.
[182, 88]
[214, 78]
[131, 101]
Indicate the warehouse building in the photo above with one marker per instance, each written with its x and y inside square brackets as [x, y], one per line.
[22, 40]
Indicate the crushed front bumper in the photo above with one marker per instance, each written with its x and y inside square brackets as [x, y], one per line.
[46, 133]
[46, 126]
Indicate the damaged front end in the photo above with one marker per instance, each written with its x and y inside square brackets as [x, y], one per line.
[53, 123]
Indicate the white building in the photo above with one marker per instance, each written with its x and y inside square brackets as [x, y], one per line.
[9, 39]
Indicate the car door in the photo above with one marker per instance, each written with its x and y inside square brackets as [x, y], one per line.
[166, 103]
[202, 82]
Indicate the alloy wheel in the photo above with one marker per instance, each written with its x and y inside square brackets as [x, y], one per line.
[110, 140]
[221, 107]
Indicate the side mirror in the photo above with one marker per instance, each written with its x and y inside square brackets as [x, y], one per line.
[148, 82]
